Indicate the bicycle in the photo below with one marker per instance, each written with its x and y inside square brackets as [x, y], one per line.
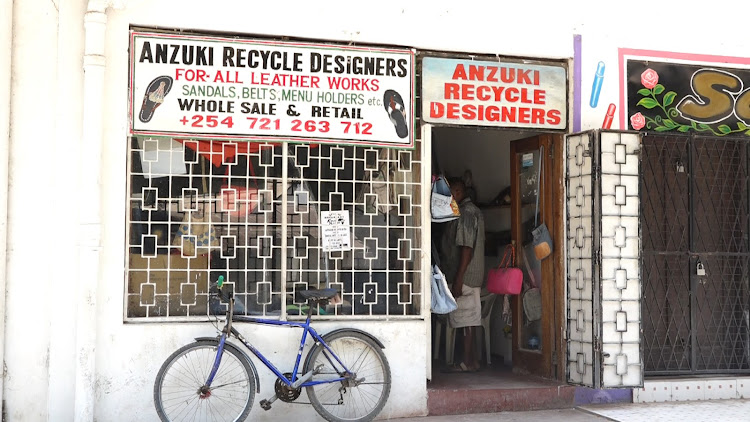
[346, 374]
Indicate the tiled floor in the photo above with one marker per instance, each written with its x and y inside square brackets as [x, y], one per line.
[737, 410]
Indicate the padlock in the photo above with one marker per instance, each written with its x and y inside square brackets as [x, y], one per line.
[699, 269]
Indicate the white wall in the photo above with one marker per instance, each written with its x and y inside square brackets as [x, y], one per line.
[43, 353]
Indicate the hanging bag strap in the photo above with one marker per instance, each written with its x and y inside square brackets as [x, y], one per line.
[532, 279]
[509, 260]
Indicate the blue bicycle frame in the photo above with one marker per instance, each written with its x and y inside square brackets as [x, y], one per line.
[306, 328]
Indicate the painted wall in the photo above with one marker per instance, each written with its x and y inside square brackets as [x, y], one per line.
[67, 353]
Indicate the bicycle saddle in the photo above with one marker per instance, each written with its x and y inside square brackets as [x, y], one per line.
[318, 294]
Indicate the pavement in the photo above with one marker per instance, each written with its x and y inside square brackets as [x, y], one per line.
[567, 415]
[737, 410]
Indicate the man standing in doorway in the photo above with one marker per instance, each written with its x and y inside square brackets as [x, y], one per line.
[462, 248]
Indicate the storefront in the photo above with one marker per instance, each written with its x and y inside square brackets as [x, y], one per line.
[256, 144]
[497, 124]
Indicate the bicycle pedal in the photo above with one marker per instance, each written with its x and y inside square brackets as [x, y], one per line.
[265, 404]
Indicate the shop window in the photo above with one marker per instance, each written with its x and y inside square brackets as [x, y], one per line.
[251, 212]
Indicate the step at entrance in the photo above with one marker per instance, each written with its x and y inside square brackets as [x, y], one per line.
[494, 389]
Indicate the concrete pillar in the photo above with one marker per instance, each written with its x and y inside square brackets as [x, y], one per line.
[6, 42]
[31, 228]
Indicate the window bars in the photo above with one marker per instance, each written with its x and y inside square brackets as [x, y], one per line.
[252, 213]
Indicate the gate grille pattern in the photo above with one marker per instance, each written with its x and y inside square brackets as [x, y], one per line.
[580, 281]
[262, 203]
[603, 283]
[695, 209]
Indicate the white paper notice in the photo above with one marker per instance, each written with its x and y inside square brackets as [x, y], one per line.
[335, 231]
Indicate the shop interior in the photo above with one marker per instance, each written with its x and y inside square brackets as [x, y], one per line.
[482, 158]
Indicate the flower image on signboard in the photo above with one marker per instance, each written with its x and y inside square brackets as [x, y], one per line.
[708, 98]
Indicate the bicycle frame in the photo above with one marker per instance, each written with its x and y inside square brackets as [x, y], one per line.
[306, 329]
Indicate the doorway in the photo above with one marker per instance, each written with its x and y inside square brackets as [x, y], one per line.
[503, 168]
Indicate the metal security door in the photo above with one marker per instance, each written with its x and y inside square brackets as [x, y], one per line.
[603, 260]
[696, 214]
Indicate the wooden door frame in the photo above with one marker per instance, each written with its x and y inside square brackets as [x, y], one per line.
[553, 269]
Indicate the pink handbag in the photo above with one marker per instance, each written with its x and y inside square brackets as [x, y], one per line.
[506, 279]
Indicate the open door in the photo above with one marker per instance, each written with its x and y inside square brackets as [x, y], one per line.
[603, 259]
[534, 341]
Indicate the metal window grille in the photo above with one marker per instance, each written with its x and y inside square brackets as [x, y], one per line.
[253, 210]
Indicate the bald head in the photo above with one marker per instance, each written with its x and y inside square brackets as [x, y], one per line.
[458, 188]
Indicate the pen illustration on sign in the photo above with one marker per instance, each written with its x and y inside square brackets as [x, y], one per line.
[609, 116]
[597, 86]
[154, 97]
[394, 106]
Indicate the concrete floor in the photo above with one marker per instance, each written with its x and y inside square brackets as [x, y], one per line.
[567, 415]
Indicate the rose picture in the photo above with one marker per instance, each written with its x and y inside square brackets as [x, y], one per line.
[649, 78]
[637, 121]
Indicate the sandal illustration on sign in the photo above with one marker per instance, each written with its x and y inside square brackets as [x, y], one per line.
[394, 106]
[154, 96]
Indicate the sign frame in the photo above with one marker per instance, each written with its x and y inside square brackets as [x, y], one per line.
[221, 87]
[471, 90]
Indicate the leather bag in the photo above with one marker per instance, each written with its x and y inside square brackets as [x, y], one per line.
[506, 279]
[442, 298]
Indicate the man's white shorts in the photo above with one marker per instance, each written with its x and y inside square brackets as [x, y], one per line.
[469, 312]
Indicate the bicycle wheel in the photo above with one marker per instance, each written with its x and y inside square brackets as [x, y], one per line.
[359, 402]
[177, 389]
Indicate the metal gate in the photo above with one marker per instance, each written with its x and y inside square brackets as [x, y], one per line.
[695, 217]
[603, 256]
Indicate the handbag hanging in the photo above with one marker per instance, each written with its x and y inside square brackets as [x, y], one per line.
[442, 300]
[542, 240]
[442, 204]
[532, 297]
[506, 279]
[196, 235]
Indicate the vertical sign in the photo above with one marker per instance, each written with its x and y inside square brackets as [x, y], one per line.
[230, 88]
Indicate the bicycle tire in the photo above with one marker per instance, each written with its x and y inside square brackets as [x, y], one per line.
[362, 356]
[176, 388]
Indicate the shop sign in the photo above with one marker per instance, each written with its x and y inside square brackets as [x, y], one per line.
[493, 93]
[207, 87]
[705, 98]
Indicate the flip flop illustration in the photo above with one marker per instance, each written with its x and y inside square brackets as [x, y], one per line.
[394, 106]
[154, 97]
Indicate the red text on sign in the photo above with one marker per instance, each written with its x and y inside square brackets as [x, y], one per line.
[455, 91]
[198, 75]
[496, 74]
[492, 113]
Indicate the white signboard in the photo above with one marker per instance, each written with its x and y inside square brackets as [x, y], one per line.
[229, 88]
[335, 231]
[500, 94]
